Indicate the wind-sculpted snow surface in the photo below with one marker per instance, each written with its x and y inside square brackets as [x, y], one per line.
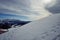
[44, 29]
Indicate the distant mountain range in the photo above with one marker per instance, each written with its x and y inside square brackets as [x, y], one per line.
[7, 23]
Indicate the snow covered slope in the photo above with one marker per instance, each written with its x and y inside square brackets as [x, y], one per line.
[45, 29]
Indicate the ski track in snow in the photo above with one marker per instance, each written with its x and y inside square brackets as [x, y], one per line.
[55, 29]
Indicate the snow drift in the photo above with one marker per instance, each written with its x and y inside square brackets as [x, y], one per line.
[44, 29]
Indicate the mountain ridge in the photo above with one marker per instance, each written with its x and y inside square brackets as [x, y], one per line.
[45, 29]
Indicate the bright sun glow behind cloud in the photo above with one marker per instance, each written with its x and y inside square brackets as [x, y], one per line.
[47, 1]
[39, 8]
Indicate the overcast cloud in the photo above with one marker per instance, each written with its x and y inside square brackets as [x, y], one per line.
[32, 9]
[56, 8]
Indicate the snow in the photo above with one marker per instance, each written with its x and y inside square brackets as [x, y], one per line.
[43, 29]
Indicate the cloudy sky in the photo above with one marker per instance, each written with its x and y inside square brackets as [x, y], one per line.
[55, 8]
[28, 9]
